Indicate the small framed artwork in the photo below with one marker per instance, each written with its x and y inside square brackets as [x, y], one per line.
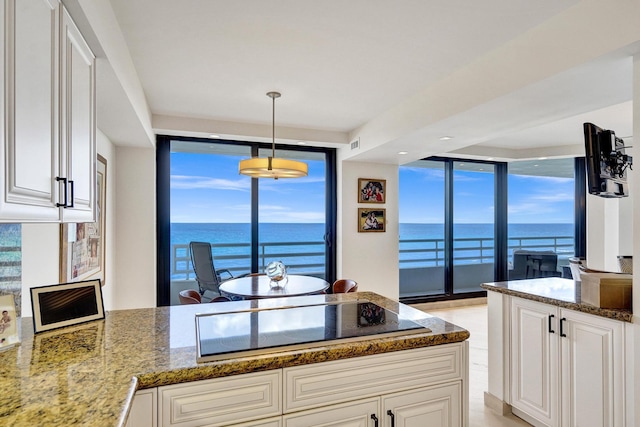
[9, 335]
[372, 190]
[82, 245]
[371, 220]
[66, 304]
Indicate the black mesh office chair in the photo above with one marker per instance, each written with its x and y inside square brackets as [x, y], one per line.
[208, 278]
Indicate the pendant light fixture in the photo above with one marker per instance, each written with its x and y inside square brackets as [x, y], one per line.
[272, 167]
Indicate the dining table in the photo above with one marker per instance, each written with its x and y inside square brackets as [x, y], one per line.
[260, 286]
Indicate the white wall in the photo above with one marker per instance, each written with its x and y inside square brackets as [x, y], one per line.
[371, 259]
[634, 351]
[107, 150]
[135, 213]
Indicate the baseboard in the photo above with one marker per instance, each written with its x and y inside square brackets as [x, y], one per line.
[498, 406]
[437, 305]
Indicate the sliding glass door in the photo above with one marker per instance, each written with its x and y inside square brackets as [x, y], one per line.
[422, 228]
[473, 225]
[447, 228]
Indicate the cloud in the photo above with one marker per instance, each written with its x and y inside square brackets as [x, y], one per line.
[182, 182]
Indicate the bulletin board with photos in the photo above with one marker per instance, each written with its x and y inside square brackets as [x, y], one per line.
[82, 245]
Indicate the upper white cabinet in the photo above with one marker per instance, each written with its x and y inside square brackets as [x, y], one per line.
[78, 126]
[48, 115]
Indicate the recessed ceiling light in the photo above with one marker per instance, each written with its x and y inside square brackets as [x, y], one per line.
[445, 138]
[489, 158]
[403, 152]
[541, 158]
[302, 143]
[214, 136]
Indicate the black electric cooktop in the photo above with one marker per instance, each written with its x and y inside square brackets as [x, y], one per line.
[244, 333]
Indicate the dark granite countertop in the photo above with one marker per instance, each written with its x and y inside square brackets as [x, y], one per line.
[555, 291]
[87, 374]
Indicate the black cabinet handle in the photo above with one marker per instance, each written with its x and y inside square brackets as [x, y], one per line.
[375, 420]
[393, 418]
[66, 195]
[72, 186]
[562, 334]
[551, 331]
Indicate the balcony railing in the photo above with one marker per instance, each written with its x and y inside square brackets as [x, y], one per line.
[308, 257]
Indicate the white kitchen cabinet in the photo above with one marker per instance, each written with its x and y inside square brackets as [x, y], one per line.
[78, 127]
[361, 413]
[592, 366]
[438, 406]
[424, 386]
[144, 410]
[535, 360]
[47, 137]
[566, 366]
[221, 401]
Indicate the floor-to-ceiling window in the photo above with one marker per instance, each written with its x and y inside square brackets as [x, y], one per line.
[422, 228]
[474, 205]
[447, 228]
[541, 217]
[462, 221]
[249, 222]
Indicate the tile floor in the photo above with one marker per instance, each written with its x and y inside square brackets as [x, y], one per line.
[474, 319]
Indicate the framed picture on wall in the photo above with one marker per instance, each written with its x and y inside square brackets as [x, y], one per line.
[371, 220]
[82, 245]
[372, 190]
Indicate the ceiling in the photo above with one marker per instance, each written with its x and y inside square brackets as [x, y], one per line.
[394, 76]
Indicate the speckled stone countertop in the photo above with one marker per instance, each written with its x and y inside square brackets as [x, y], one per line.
[87, 374]
[555, 291]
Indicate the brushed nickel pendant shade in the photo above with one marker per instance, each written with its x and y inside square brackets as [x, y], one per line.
[273, 167]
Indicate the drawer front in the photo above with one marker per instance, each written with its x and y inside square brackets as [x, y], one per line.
[332, 382]
[221, 401]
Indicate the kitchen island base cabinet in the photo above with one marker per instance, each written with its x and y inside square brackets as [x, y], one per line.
[438, 406]
[566, 367]
[425, 386]
[143, 411]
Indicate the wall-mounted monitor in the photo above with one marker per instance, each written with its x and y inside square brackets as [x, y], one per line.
[607, 162]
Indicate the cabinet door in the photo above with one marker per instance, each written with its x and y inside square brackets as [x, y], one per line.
[144, 412]
[592, 378]
[434, 407]
[534, 360]
[29, 113]
[361, 413]
[78, 145]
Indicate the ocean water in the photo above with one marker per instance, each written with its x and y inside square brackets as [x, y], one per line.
[473, 244]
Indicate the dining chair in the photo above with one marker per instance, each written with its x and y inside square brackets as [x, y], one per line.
[342, 286]
[220, 299]
[208, 278]
[189, 296]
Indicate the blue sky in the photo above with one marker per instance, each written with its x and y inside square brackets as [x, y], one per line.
[208, 188]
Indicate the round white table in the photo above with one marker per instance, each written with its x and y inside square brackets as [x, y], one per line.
[254, 287]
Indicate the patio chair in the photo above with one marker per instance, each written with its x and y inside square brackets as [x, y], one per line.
[208, 278]
[189, 296]
[342, 286]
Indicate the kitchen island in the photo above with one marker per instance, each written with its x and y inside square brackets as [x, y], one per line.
[553, 359]
[89, 374]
